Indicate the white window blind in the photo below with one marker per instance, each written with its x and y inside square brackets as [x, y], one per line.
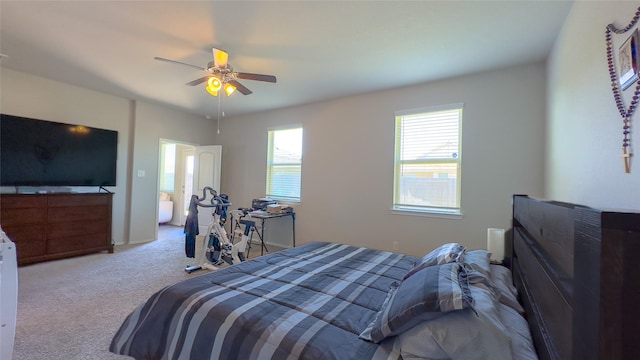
[284, 164]
[427, 160]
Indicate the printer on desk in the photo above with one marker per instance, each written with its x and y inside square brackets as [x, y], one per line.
[270, 206]
[262, 203]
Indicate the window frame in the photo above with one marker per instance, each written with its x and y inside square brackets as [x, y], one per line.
[269, 161]
[423, 210]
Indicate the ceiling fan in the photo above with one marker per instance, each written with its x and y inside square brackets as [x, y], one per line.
[220, 75]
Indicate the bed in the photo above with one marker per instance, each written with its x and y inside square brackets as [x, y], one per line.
[325, 300]
[575, 268]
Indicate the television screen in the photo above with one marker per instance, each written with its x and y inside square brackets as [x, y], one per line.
[45, 153]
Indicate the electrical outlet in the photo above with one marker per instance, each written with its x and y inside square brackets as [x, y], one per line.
[396, 246]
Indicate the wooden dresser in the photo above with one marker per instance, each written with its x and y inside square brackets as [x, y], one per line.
[55, 226]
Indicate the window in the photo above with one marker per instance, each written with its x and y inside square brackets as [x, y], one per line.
[427, 160]
[284, 164]
[167, 166]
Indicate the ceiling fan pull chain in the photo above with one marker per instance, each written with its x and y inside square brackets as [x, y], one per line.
[219, 100]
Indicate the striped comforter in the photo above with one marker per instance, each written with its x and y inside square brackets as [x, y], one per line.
[307, 302]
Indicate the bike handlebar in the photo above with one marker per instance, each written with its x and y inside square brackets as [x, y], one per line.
[215, 201]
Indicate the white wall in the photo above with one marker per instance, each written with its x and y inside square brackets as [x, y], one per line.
[347, 175]
[152, 123]
[584, 136]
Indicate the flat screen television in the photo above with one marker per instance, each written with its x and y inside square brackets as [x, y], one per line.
[45, 153]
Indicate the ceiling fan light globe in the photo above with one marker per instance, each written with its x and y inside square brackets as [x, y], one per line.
[229, 89]
[210, 91]
[213, 86]
[220, 58]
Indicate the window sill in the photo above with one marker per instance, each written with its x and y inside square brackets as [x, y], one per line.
[428, 213]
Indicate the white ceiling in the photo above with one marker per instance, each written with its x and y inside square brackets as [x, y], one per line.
[318, 50]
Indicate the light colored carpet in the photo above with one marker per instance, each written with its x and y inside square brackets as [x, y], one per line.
[70, 309]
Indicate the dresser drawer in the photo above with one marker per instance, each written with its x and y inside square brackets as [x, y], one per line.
[69, 200]
[22, 216]
[77, 213]
[76, 243]
[20, 201]
[64, 230]
[30, 240]
[22, 209]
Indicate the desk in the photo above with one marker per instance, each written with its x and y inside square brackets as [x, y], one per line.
[263, 215]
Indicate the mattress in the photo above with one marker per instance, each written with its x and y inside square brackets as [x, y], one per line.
[308, 302]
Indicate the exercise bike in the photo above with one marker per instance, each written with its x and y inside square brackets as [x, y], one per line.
[218, 249]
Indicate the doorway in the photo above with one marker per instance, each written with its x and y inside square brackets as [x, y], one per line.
[175, 177]
[184, 170]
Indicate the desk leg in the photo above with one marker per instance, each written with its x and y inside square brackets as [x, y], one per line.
[293, 221]
[250, 240]
[263, 247]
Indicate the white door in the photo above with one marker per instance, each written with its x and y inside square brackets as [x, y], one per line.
[206, 173]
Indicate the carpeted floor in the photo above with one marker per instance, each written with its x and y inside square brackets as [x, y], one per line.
[69, 309]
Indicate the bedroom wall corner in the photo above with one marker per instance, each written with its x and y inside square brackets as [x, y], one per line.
[153, 122]
[583, 162]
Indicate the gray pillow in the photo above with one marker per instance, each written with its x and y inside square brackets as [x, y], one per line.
[477, 334]
[479, 260]
[518, 331]
[428, 294]
[443, 254]
[503, 283]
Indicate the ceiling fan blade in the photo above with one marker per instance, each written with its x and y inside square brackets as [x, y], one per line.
[179, 62]
[198, 81]
[220, 58]
[243, 89]
[258, 77]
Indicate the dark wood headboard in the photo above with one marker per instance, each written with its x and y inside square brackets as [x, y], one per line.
[576, 269]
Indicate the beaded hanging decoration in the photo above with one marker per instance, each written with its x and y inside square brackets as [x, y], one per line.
[615, 87]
